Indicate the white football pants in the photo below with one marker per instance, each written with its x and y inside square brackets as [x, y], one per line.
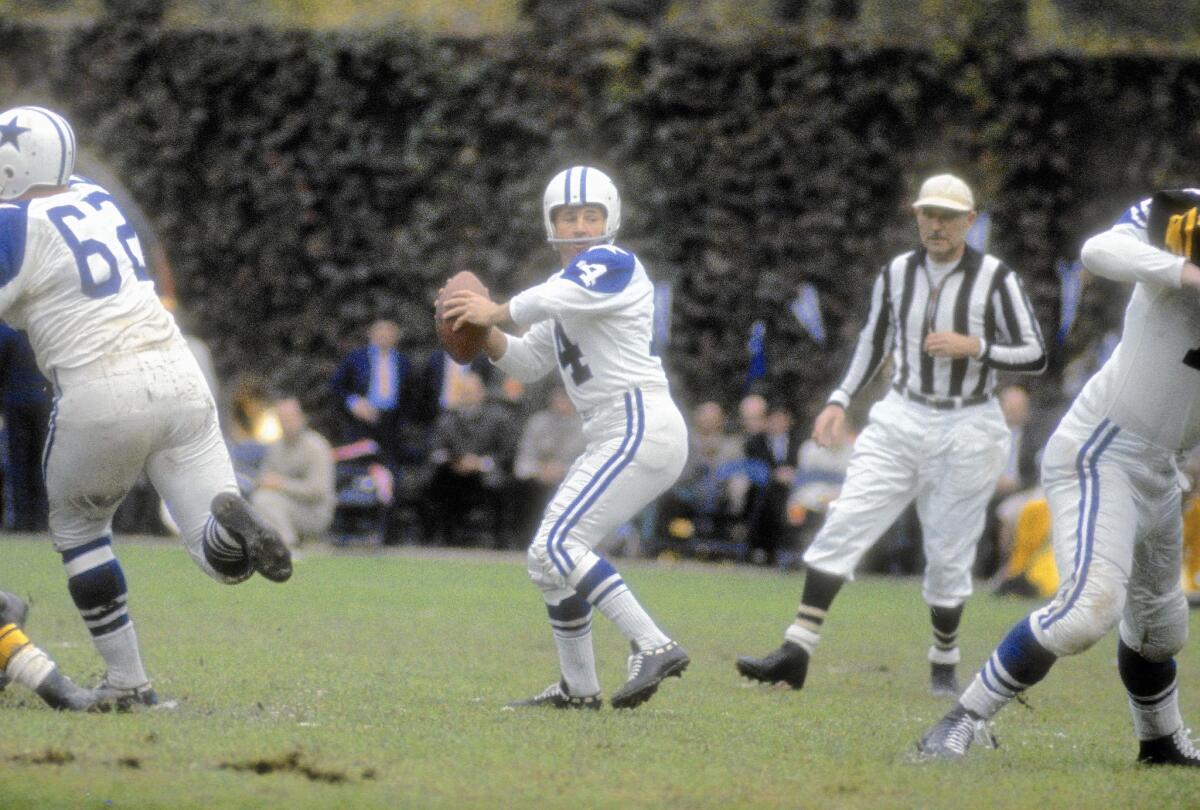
[949, 461]
[636, 448]
[1115, 505]
[123, 412]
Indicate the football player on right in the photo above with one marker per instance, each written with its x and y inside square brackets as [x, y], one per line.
[1111, 480]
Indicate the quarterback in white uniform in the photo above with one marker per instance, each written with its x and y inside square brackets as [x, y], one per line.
[128, 392]
[1110, 476]
[592, 321]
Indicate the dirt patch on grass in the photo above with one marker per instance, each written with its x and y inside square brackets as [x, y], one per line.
[289, 763]
[51, 756]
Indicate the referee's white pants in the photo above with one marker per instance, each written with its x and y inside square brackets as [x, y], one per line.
[948, 461]
[1118, 529]
[636, 449]
[118, 414]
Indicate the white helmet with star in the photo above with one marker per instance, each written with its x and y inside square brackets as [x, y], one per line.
[37, 148]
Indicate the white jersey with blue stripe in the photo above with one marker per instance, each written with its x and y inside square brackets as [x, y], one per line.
[593, 320]
[72, 274]
[1150, 385]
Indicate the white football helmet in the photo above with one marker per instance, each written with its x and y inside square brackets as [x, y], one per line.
[37, 148]
[582, 185]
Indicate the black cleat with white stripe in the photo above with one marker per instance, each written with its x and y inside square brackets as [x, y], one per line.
[556, 696]
[1173, 749]
[647, 669]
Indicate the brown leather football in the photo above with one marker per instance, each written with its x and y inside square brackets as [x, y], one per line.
[465, 343]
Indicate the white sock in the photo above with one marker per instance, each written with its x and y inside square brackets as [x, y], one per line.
[120, 652]
[577, 660]
[1157, 716]
[623, 609]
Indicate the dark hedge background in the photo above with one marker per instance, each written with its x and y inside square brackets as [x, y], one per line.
[303, 183]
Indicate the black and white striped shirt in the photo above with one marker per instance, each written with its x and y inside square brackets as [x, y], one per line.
[981, 297]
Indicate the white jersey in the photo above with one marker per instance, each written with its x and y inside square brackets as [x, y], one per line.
[593, 320]
[1150, 386]
[72, 275]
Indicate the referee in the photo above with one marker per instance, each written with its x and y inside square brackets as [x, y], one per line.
[952, 318]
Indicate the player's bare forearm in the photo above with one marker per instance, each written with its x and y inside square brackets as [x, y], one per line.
[952, 345]
[1190, 277]
[497, 344]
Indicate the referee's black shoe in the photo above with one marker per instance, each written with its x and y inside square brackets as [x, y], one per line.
[787, 664]
[647, 669]
[264, 548]
[1173, 749]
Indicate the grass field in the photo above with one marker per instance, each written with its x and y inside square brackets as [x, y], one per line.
[378, 681]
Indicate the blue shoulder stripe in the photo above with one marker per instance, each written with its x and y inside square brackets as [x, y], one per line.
[1136, 215]
[14, 226]
[602, 268]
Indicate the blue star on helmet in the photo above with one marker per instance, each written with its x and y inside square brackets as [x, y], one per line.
[9, 133]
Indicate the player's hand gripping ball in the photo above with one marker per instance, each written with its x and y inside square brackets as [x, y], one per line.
[465, 343]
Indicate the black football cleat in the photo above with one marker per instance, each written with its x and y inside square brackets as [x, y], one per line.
[126, 698]
[647, 669]
[787, 664]
[943, 682]
[951, 736]
[265, 549]
[555, 696]
[1173, 749]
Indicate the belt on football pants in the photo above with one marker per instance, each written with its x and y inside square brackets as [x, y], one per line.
[950, 404]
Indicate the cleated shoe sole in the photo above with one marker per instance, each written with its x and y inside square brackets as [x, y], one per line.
[265, 549]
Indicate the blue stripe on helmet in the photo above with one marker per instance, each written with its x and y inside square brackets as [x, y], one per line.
[583, 184]
[567, 188]
[62, 142]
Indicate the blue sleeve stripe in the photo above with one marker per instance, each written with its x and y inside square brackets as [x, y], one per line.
[13, 227]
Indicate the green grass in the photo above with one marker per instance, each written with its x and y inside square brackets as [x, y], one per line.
[378, 681]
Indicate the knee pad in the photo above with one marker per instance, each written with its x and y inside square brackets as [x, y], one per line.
[1165, 631]
[1077, 619]
[542, 570]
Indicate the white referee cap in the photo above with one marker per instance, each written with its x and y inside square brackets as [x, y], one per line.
[945, 191]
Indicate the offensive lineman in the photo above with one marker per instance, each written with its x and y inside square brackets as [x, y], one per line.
[128, 392]
[592, 320]
[952, 317]
[1110, 476]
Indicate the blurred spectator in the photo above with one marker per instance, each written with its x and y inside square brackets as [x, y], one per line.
[1030, 569]
[369, 387]
[25, 401]
[550, 442]
[1017, 483]
[752, 416]
[472, 453]
[295, 487]
[820, 472]
[778, 447]
[709, 498]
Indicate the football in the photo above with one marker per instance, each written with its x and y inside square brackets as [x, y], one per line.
[465, 343]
